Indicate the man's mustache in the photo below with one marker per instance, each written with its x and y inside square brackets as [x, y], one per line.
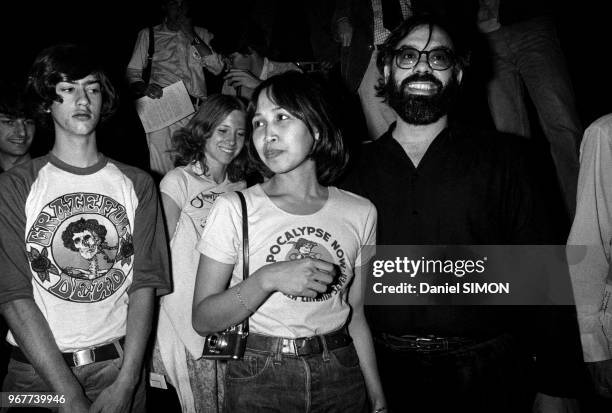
[421, 77]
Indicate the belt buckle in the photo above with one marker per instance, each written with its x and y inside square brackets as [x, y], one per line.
[423, 342]
[83, 357]
[288, 347]
[431, 343]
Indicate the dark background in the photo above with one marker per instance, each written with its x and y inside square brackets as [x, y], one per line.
[110, 28]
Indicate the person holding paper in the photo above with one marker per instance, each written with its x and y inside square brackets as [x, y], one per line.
[180, 52]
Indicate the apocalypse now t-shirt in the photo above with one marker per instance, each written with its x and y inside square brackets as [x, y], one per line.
[334, 234]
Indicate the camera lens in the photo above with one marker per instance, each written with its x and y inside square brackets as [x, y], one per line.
[212, 341]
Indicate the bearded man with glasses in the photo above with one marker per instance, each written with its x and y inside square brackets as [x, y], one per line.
[435, 182]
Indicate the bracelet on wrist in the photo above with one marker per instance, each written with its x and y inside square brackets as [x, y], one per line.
[380, 410]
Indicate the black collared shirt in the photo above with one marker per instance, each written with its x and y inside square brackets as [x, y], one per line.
[468, 189]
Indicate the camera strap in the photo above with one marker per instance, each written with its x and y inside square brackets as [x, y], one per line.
[231, 343]
[146, 71]
[245, 246]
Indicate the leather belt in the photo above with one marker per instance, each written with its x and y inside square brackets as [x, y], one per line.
[299, 346]
[421, 344]
[80, 357]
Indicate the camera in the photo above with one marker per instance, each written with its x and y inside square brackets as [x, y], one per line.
[227, 344]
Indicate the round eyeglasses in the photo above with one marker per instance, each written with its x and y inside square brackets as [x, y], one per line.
[438, 59]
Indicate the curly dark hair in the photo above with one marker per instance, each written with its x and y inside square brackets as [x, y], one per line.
[305, 97]
[189, 142]
[80, 226]
[12, 102]
[65, 63]
[459, 35]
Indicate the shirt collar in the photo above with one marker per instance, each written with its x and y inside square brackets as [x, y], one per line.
[101, 163]
[393, 149]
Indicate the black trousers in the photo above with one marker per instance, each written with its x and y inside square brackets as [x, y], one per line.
[490, 376]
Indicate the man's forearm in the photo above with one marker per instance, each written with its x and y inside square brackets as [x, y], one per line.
[139, 320]
[35, 339]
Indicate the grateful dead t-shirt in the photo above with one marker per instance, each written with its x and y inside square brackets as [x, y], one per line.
[77, 241]
[334, 234]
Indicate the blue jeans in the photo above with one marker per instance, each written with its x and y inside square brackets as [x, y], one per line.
[527, 57]
[267, 382]
[94, 378]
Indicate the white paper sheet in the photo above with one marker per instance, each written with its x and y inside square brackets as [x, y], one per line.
[173, 106]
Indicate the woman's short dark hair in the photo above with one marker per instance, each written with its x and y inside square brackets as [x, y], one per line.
[189, 142]
[65, 63]
[305, 98]
[458, 34]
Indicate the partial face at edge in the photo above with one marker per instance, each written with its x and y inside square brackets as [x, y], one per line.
[16, 134]
[240, 61]
[175, 9]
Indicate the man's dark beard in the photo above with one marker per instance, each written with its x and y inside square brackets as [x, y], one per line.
[421, 109]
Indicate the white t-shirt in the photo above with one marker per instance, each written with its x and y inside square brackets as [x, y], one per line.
[195, 195]
[335, 234]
